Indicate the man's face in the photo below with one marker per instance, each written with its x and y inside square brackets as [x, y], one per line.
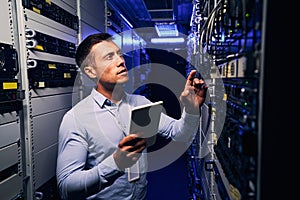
[109, 63]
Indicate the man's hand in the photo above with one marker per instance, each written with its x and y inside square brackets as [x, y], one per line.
[129, 151]
[194, 93]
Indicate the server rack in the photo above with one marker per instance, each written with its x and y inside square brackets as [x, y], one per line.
[50, 35]
[226, 46]
[42, 72]
[11, 148]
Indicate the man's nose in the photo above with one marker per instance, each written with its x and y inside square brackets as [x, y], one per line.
[120, 60]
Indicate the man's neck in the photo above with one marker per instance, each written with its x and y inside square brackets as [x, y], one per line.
[114, 94]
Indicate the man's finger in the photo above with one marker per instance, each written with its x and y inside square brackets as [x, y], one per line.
[136, 152]
[200, 84]
[128, 140]
[190, 78]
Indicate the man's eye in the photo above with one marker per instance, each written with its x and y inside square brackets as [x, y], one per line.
[109, 57]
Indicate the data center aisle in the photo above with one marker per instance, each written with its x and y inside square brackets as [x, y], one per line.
[171, 181]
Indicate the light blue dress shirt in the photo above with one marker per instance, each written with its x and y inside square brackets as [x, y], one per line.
[89, 135]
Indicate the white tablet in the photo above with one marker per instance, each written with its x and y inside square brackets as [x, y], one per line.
[145, 118]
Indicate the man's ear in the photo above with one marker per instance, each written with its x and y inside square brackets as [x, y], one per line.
[90, 72]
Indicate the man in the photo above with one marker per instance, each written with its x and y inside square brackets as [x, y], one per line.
[95, 150]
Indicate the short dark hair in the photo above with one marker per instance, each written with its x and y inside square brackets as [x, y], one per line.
[84, 48]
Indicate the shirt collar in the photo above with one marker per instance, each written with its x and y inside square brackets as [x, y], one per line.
[100, 98]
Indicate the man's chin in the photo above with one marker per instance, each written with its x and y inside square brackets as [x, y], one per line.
[123, 80]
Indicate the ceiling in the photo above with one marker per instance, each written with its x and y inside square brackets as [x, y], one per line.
[145, 13]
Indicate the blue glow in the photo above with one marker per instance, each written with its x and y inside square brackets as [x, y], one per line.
[166, 29]
[129, 24]
[167, 40]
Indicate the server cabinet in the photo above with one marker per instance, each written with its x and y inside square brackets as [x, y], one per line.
[11, 180]
[226, 46]
[46, 41]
